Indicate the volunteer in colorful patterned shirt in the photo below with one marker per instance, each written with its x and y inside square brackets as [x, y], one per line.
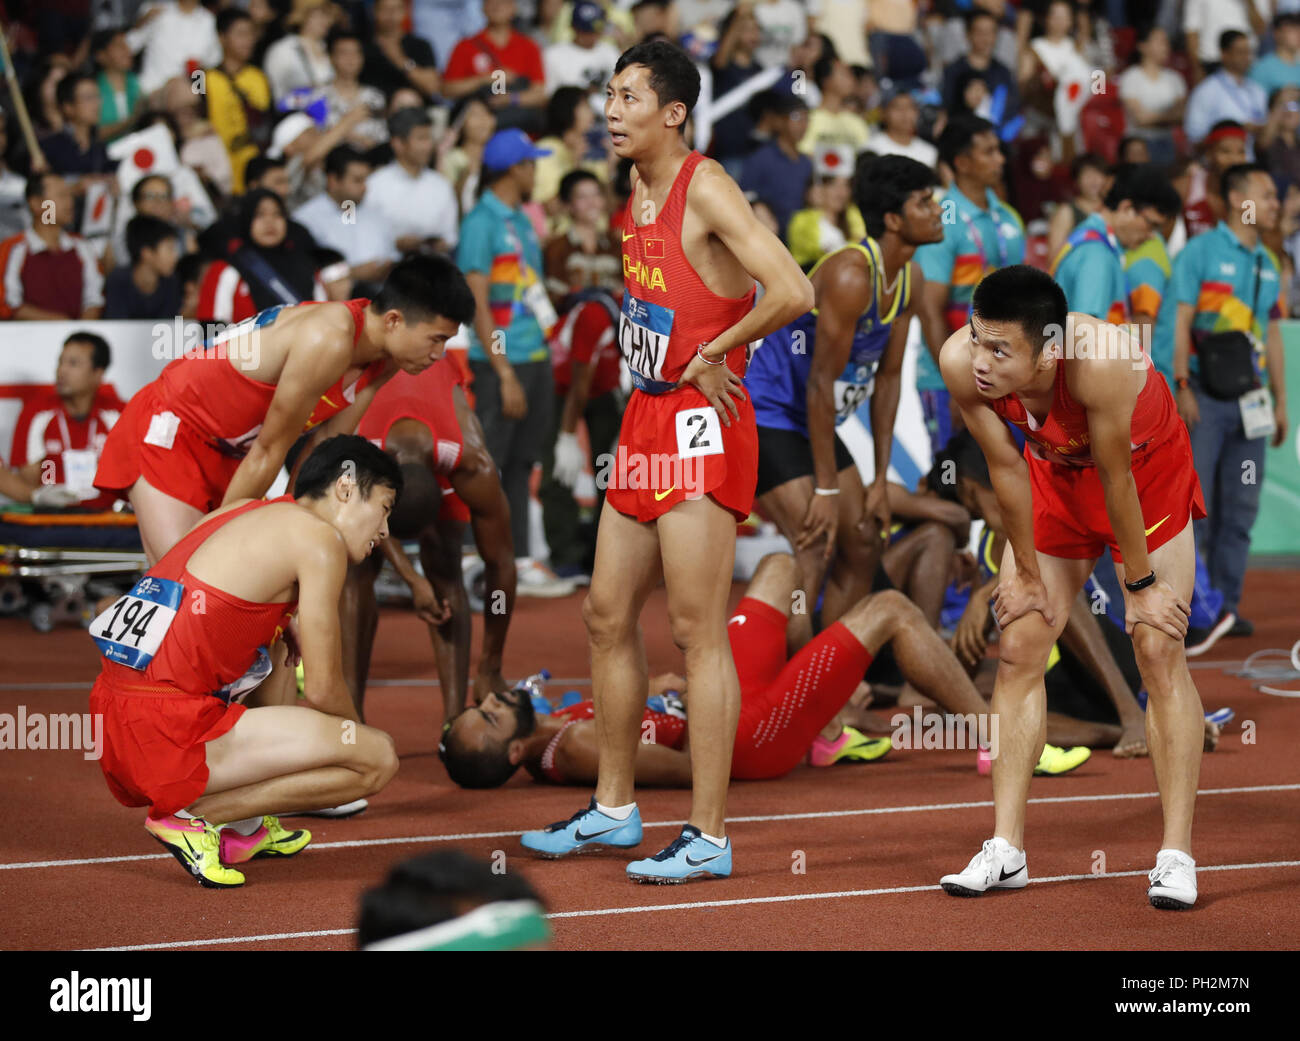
[1090, 266]
[980, 234]
[1227, 281]
[508, 356]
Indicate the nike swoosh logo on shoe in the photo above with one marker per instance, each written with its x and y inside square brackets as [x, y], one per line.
[698, 863]
[579, 836]
[1003, 876]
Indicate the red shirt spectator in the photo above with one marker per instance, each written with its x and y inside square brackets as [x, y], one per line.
[49, 274]
[63, 280]
[61, 431]
[225, 295]
[479, 56]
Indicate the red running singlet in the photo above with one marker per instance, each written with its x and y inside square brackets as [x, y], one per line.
[157, 719]
[1063, 436]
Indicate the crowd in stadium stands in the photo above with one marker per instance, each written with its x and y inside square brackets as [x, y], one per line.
[214, 159]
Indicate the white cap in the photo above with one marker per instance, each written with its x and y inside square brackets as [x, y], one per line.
[287, 131]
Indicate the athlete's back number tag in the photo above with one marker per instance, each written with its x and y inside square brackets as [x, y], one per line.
[131, 631]
[699, 432]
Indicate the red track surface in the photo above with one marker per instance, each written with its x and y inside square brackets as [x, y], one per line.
[57, 808]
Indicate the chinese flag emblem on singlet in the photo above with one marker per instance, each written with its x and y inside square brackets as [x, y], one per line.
[654, 249]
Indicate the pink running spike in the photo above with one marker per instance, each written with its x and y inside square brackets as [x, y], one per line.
[237, 848]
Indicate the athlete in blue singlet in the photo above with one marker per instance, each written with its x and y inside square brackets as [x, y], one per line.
[811, 375]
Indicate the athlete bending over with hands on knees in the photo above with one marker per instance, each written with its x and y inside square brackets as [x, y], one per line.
[1107, 462]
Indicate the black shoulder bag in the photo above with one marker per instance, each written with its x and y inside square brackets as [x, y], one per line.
[1226, 360]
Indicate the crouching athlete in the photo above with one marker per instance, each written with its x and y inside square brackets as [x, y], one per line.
[201, 629]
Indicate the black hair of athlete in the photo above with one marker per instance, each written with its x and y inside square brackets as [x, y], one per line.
[673, 76]
[424, 288]
[347, 454]
[1026, 296]
[488, 766]
[960, 457]
[434, 888]
[883, 185]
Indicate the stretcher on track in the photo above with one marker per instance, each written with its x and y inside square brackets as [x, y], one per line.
[54, 566]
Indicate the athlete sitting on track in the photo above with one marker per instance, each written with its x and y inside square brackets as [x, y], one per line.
[216, 425]
[785, 705]
[199, 631]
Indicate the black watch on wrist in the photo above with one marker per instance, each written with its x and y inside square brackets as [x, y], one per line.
[1141, 583]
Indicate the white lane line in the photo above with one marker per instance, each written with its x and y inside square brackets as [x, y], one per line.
[225, 939]
[696, 904]
[759, 819]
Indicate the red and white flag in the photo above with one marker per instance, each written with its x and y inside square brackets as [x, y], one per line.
[148, 151]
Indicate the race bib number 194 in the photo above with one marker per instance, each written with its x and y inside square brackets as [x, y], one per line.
[130, 632]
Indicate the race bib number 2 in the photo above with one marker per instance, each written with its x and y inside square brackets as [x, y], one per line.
[130, 632]
[699, 432]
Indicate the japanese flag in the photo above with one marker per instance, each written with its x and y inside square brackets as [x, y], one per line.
[149, 151]
[97, 216]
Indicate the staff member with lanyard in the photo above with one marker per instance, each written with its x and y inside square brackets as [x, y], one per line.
[1223, 304]
[514, 391]
[981, 233]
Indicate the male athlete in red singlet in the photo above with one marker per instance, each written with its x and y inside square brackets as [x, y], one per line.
[784, 704]
[1107, 463]
[687, 458]
[198, 632]
[426, 424]
[216, 426]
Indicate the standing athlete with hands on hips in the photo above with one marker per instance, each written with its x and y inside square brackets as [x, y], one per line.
[687, 459]
[1107, 462]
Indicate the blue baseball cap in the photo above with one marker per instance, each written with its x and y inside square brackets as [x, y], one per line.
[588, 17]
[508, 147]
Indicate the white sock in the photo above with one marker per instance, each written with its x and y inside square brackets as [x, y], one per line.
[184, 815]
[618, 813]
[720, 843]
[245, 827]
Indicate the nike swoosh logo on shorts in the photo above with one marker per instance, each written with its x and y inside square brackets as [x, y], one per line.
[661, 496]
[1157, 524]
[580, 837]
[740, 618]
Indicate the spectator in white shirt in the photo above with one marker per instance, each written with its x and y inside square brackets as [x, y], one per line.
[897, 133]
[339, 218]
[1228, 94]
[301, 59]
[178, 38]
[1153, 95]
[419, 204]
[589, 60]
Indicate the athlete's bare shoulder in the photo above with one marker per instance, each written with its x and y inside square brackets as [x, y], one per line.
[1103, 362]
[845, 282]
[712, 194]
[954, 365]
